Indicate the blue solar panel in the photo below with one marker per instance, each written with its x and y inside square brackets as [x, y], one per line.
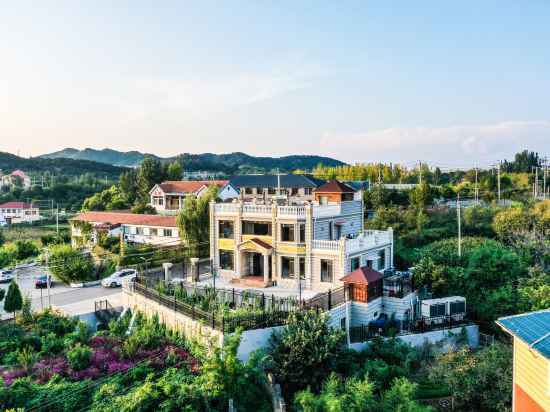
[530, 328]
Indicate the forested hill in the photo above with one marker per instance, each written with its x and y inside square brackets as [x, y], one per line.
[230, 162]
[62, 166]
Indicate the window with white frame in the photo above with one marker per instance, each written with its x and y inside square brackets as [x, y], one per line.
[287, 267]
[326, 270]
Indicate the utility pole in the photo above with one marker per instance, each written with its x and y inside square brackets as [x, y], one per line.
[48, 280]
[57, 219]
[536, 182]
[498, 181]
[544, 179]
[476, 190]
[459, 224]
[420, 171]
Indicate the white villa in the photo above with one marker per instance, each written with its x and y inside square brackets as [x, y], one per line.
[316, 241]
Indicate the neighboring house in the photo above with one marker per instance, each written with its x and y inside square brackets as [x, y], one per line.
[531, 385]
[398, 186]
[135, 228]
[319, 241]
[19, 212]
[11, 180]
[168, 197]
[264, 187]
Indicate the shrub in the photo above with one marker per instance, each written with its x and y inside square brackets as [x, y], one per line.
[14, 300]
[25, 249]
[26, 358]
[79, 357]
[69, 265]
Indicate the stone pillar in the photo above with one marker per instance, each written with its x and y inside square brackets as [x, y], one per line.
[297, 272]
[167, 271]
[237, 234]
[195, 269]
[274, 241]
[266, 268]
[309, 241]
[213, 235]
[390, 231]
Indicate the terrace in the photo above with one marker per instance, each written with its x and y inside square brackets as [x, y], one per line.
[226, 309]
[250, 210]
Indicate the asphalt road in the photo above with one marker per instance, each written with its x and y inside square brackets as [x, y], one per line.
[60, 294]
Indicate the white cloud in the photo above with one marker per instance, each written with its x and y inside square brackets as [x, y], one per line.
[454, 145]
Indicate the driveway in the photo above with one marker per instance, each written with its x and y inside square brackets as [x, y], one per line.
[60, 294]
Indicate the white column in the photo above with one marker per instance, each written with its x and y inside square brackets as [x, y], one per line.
[266, 268]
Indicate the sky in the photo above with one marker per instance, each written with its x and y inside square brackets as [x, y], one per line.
[453, 83]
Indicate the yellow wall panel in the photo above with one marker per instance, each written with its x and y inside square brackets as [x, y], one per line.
[531, 371]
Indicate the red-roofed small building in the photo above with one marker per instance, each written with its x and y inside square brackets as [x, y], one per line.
[135, 228]
[16, 178]
[19, 212]
[168, 197]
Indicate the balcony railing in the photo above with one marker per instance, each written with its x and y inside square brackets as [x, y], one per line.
[319, 211]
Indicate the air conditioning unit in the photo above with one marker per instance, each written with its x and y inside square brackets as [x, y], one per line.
[437, 311]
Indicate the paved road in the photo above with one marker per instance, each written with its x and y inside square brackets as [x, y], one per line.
[60, 294]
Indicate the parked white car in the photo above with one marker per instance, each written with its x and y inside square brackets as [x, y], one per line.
[6, 276]
[115, 280]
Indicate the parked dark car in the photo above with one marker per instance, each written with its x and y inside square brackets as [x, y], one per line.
[42, 281]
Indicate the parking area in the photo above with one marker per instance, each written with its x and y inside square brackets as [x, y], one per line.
[60, 294]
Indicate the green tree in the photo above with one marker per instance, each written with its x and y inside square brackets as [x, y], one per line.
[421, 196]
[338, 395]
[303, 354]
[128, 186]
[150, 172]
[511, 221]
[480, 381]
[193, 222]
[13, 301]
[174, 171]
[69, 265]
[2, 237]
[400, 398]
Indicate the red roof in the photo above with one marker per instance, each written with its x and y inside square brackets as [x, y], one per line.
[16, 205]
[363, 276]
[334, 186]
[127, 218]
[189, 186]
[261, 243]
[19, 173]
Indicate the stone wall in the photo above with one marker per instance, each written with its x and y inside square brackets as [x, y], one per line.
[192, 329]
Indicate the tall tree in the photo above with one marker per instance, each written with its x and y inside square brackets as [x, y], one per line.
[149, 173]
[174, 171]
[14, 300]
[193, 222]
[128, 185]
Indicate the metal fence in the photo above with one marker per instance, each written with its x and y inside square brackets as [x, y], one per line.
[216, 320]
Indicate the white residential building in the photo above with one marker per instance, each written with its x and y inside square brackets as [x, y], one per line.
[19, 212]
[318, 241]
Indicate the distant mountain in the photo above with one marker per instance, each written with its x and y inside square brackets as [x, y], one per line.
[108, 156]
[61, 166]
[229, 163]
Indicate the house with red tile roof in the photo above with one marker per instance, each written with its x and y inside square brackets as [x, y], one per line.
[168, 197]
[19, 212]
[12, 179]
[158, 230]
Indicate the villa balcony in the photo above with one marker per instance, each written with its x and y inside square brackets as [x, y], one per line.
[366, 240]
[251, 210]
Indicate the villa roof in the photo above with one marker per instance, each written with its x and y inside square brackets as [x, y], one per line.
[362, 276]
[127, 219]
[532, 328]
[188, 186]
[19, 173]
[271, 181]
[16, 205]
[334, 186]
